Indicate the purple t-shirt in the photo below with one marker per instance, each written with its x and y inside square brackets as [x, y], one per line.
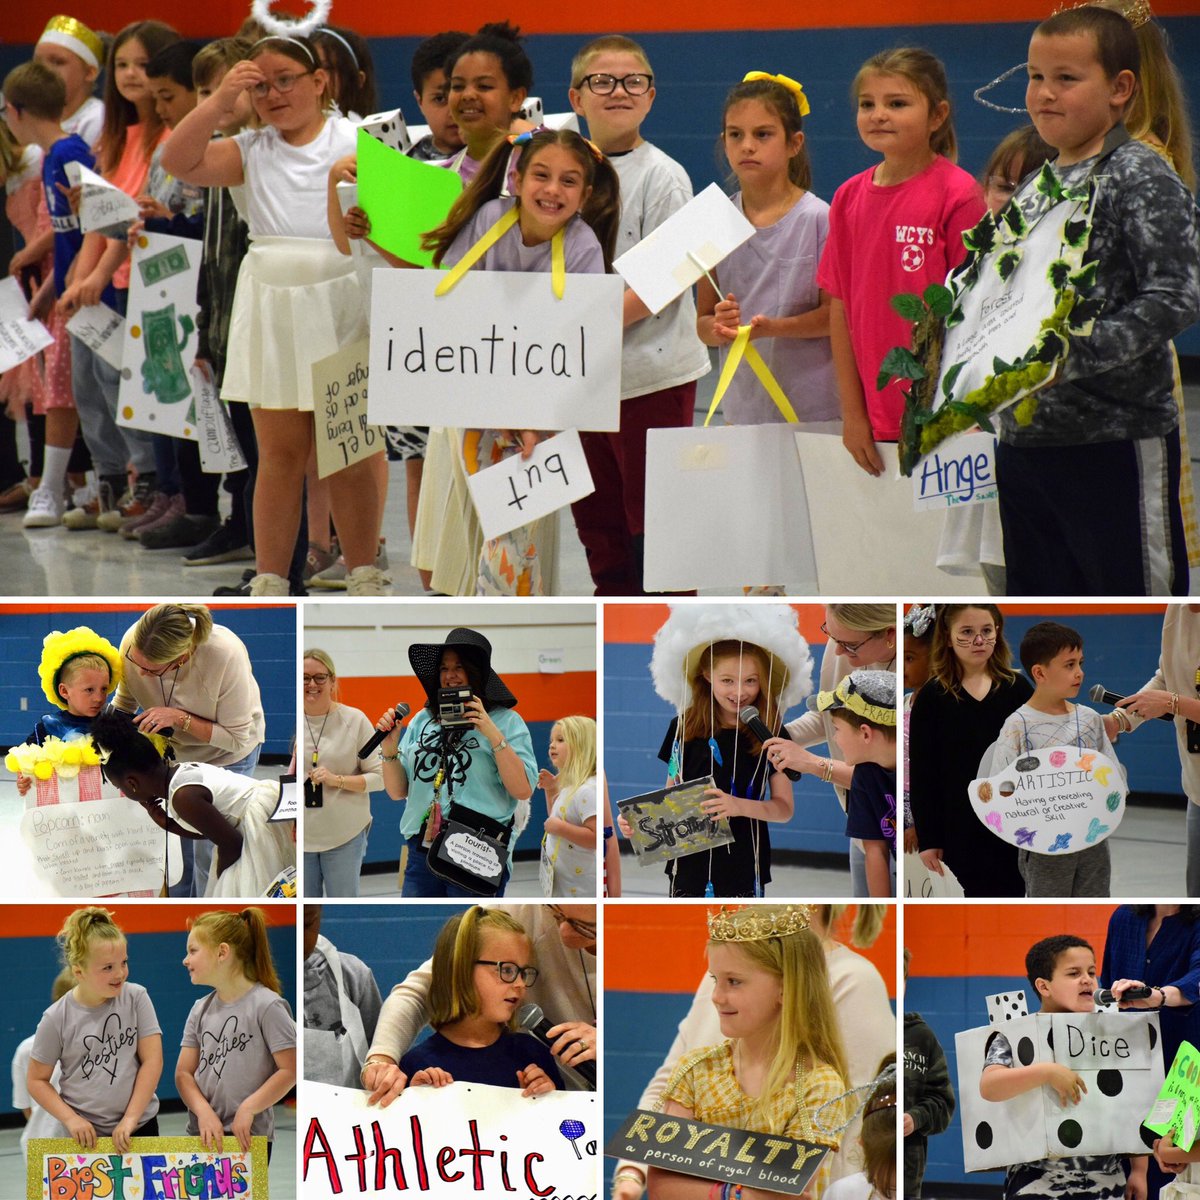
[67, 237]
[581, 247]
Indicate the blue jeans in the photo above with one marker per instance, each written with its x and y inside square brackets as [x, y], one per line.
[335, 872]
[858, 871]
[421, 883]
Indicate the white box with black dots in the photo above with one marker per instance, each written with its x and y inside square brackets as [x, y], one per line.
[1117, 1054]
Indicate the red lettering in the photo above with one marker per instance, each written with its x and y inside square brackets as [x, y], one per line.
[444, 1157]
[384, 1153]
[419, 1152]
[530, 1182]
[315, 1134]
[477, 1153]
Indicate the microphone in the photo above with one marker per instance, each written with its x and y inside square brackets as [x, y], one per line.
[1105, 995]
[754, 723]
[531, 1019]
[402, 711]
[1101, 695]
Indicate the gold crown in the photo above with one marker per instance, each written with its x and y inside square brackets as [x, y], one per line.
[1136, 12]
[756, 924]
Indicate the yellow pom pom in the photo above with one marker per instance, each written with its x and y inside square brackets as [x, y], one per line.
[90, 757]
[72, 754]
[10, 763]
[67, 770]
[43, 769]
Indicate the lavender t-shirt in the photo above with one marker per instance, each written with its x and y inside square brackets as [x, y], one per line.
[97, 1048]
[581, 248]
[775, 273]
[237, 1043]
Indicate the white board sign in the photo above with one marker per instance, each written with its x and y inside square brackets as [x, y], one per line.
[20, 336]
[156, 392]
[342, 432]
[450, 1143]
[220, 450]
[100, 329]
[920, 881]
[695, 239]
[98, 848]
[867, 538]
[1119, 1056]
[960, 471]
[499, 351]
[724, 510]
[1054, 801]
[516, 491]
[103, 207]
[288, 806]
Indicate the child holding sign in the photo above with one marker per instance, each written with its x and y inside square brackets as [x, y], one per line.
[232, 811]
[782, 1060]
[1052, 656]
[569, 844]
[482, 964]
[105, 1035]
[770, 281]
[237, 1055]
[565, 200]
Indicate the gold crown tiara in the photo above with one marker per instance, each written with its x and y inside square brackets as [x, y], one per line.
[1136, 12]
[755, 924]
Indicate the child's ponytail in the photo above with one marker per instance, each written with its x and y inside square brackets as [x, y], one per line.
[245, 933]
[83, 927]
[487, 185]
[602, 211]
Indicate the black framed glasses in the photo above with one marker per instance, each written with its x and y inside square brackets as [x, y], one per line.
[281, 83]
[320, 680]
[171, 666]
[585, 929]
[848, 647]
[637, 84]
[510, 972]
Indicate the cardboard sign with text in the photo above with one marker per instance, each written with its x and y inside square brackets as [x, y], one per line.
[1177, 1108]
[343, 433]
[101, 329]
[21, 337]
[960, 471]
[103, 207]
[670, 823]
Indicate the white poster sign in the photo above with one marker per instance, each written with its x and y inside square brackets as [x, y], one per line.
[960, 471]
[343, 434]
[724, 509]
[516, 491]
[20, 336]
[160, 337]
[100, 329]
[103, 207]
[920, 881]
[1054, 801]
[450, 1143]
[867, 538]
[1119, 1056]
[98, 848]
[220, 450]
[499, 351]
[288, 806]
[694, 240]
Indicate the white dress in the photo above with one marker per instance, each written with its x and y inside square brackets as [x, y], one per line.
[247, 804]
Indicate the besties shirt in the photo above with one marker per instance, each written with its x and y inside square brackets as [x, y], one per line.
[97, 1048]
[237, 1043]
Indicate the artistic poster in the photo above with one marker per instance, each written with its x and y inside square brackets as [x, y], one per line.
[499, 351]
[517, 491]
[1176, 1110]
[670, 823]
[342, 432]
[156, 393]
[1118, 1054]
[450, 1143]
[155, 1168]
[1053, 801]
[772, 1162]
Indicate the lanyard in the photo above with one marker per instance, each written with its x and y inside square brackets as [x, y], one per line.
[740, 349]
[558, 260]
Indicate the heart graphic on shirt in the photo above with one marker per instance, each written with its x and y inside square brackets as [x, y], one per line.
[102, 1051]
[215, 1048]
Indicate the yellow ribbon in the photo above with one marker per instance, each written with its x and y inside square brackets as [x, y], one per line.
[558, 257]
[797, 89]
[740, 349]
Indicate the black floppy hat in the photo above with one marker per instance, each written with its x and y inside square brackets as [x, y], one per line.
[471, 646]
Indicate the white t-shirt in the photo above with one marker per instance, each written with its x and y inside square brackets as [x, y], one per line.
[87, 120]
[574, 866]
[286, 186]
[663, 351]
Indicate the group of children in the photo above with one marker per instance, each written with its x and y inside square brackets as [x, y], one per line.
[813, 285]
[95, 1062]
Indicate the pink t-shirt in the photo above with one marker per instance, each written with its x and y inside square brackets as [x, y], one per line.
[886, 240]
[130, 176]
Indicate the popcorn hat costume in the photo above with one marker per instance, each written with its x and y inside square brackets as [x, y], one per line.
[691, 628]
[58, 649]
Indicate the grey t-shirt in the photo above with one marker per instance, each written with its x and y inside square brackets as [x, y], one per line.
[237, 1042]
[323, 1008]
[97, 1048]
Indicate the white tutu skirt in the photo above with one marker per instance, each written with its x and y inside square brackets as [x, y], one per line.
[267, 848]
[297, 301]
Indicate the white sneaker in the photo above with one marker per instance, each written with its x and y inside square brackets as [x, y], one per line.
[269, 585]
[368, 581]
[45, 510]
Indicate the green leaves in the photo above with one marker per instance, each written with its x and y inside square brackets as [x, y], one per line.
[939, 299]
[1007, 262]
[949, 377]
[908, 305]
[898, 363]
[1059, 274]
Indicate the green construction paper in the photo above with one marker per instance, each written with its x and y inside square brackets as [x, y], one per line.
[402, 197]
[1180, 1093]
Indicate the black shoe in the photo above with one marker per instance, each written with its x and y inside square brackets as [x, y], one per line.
[180, 533]
[241, 589]
[221, 546]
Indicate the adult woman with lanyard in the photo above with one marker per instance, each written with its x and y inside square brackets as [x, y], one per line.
[860, 636]
[1160, 944]
[471, 767]
[193, 677]
[338, 784]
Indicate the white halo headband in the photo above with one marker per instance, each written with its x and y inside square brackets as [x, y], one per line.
[260, 10]
[885, 1077]
[987, 87]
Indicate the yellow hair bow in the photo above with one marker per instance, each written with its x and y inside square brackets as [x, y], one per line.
[792, 86]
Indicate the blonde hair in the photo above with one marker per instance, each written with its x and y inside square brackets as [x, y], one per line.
[452, 994]
[64, 981]
[81, 929]
[245, 933]
[579, 733]
[322, 656]
[868, 922]
[700, 721]
[927, 74]
[615, 43]
[808, 1028]
[866, 618]
[84, 662]
[168, 631]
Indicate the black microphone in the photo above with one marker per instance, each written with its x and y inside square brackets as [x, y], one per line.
[754, 723]
[402, 711]
[531, 1019]
[1105, 995]
[1101, 695]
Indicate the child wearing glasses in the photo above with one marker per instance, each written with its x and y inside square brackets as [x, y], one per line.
[957, 715]
[482, 964]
